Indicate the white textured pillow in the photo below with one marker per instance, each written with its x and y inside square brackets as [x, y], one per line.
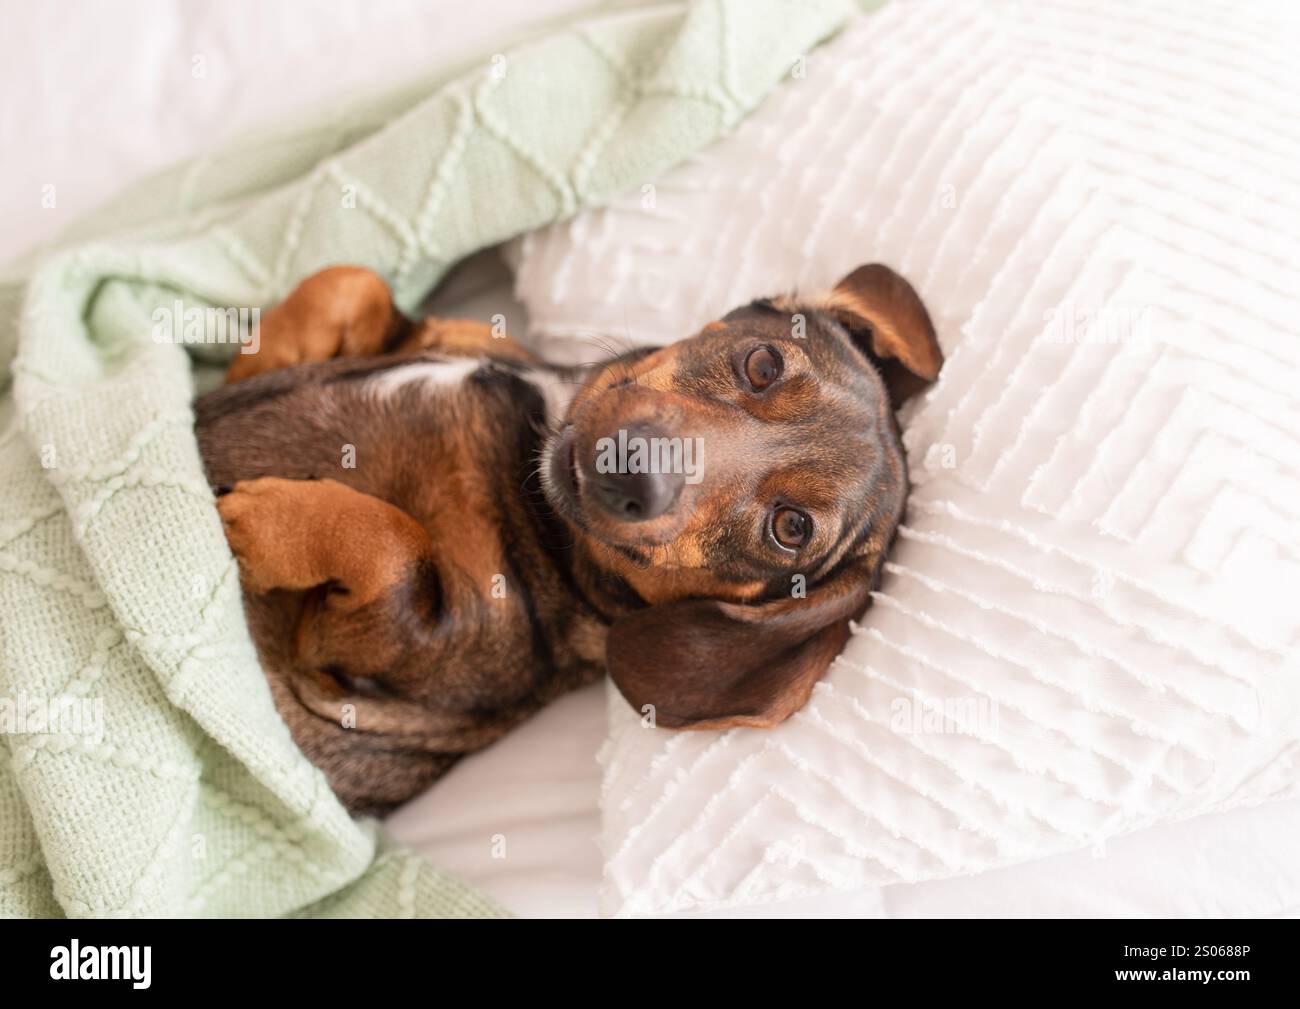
[1097, 585]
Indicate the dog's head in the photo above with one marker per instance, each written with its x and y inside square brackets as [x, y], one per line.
[745, 483]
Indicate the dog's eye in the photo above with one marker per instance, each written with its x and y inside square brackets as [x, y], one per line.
[791, 528]
[762, 367]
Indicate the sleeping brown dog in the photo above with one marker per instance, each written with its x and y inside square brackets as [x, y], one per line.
[437, 533]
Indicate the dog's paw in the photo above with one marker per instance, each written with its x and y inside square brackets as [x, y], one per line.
[264, 526]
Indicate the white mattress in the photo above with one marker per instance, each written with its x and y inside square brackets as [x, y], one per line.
[132, 93]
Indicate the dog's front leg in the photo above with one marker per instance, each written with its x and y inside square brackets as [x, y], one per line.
[303, 534]
[348, 311]
[364, 568]
[345, 311]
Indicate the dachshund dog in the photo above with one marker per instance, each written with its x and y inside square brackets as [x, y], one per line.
[438, 533]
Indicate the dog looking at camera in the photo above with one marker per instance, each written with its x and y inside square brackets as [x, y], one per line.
[438, 533]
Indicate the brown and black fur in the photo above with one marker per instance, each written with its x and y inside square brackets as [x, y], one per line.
[414, 606]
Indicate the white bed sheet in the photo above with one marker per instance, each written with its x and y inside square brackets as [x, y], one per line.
[96, 96]
[120, 77]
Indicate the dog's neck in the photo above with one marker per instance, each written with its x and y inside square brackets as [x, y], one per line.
[557, 386]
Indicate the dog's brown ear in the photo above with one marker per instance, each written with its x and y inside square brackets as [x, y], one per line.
[706, 664]
[887, 319]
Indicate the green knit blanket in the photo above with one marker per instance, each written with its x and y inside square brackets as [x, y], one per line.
[144, 769]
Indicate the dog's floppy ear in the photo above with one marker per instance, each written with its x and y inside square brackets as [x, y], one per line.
[707, 664]
[887, 320]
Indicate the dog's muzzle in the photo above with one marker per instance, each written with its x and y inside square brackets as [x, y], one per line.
[637, 496]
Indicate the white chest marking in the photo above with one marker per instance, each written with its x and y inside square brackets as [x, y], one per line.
[433, 376]
[430, 374]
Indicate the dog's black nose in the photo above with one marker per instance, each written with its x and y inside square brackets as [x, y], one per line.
[631, 481]
[638, 497]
